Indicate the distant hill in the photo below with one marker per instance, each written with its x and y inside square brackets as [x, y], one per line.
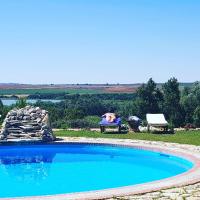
[27, 89]
[20, 89]
[40, 86]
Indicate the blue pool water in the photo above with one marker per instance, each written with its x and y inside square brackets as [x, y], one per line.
[56, 169]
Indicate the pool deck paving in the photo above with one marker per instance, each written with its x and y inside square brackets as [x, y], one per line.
[181, 187]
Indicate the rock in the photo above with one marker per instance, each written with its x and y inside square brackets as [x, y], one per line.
[26, 117]
[13, 123]
[34, 115]
[13, 113]
[28, 128]
[38, 120]
[44, 112]
[14, 130]
[27, 123]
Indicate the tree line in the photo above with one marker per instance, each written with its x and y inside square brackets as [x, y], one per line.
[63, 96]
[180, 106]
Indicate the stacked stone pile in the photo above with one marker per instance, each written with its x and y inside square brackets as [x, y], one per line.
[27, 123]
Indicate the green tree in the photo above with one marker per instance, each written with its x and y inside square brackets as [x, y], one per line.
[21, 103]
[1, 111]
[1, 104]
[196, 116]
[171, 105]
[189, 104]
[148, 99]
[190, 101]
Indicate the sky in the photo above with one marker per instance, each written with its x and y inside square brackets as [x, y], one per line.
[99, 41]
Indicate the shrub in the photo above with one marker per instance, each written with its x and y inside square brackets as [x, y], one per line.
[196, 116]
[93, 121]
[21, 103]
[77, 123]
[189, 126]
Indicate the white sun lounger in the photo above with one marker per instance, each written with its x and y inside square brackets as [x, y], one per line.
[157, 120]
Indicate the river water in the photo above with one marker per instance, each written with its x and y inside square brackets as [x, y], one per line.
[9, 102]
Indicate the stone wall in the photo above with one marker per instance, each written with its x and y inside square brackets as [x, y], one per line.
[27, 123]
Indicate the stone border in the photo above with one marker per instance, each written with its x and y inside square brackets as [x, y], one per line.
[189, 152]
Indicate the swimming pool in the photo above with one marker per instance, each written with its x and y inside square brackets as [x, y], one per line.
[36, 170]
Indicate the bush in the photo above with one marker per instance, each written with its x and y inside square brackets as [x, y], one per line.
[77, 123]
[58, 124]
[21, 103]
[93, 121]
[189, 126]
[196, 117]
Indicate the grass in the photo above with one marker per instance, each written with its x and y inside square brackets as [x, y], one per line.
[182, 137]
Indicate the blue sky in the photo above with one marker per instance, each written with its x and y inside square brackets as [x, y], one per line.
[99, 41]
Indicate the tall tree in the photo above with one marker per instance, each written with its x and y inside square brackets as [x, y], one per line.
[190, 101]
[171, 106]
[196, 116]
[1, 111]
[1, 104]
[148, 99]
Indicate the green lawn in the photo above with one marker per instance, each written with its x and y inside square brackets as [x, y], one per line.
[183, 137]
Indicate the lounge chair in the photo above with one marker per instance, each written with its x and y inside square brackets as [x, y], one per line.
[105, 123]
[134, 123]
[157, 121]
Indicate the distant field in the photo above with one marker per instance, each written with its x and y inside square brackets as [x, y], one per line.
[87, 90]
[48, 91]
[18, 89]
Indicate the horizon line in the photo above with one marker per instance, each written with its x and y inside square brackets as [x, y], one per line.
[137, 83]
